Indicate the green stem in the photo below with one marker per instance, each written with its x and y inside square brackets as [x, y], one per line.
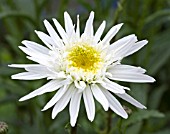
[109, 121]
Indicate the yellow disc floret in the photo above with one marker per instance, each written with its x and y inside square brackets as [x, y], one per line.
[84, 57]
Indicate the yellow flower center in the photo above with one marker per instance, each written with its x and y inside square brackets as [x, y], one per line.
[85, 57]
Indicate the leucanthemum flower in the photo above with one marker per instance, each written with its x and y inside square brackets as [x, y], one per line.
[82, 66]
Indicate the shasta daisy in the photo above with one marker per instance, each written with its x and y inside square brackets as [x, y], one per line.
[82, 66]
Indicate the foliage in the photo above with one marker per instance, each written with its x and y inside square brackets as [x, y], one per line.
[148, 19]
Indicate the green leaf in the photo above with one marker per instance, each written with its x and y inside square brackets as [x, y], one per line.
[160, 52]
[141, 115]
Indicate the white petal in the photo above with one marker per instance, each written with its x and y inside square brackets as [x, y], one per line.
[89, 103]
[121, 50]
[28, 76]
[56, 97]
[32, 53]
[62, 103]
[45, 39]
[74, 107]
[61, 31]
[38, 69]
[125, 68]
[36, 47]
[130, 76]
[122, 41]
[68, 25]
[53, 34]
[115, 105]
[112, 32]
[136, 47]
[49, 87]
[78, 28]
[99, 96]
[112, 86]
[80, 85]
[131, 100]
[89, 25]
[40, 59]
[99, 32]
[23, 65]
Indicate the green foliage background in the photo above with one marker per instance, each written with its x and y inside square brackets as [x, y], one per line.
[148, 19]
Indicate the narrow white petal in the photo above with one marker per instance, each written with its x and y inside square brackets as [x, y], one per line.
[136, 47]
[89, 25]
[45, 39]
[112, 32]
[99, 96]
[28, 76]
[125, 68]
[115, 105]
[112, 86]
[62, 103]
[68, 25]
[78, 28]
[99, 31]
[56, 97]
[89, 103]
[36, 47]
[22, 65]
[129, 76]
[53, 34]
[131, 100]
[61, 31]
[74, 107]
[49, 87]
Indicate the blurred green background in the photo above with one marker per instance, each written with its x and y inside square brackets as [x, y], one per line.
[148, 19]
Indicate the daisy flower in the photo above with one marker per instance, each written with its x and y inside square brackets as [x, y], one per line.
[82, 66]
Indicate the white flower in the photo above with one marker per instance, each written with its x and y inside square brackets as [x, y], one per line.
[82, 66]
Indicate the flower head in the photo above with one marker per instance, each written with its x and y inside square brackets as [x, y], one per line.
[82, 66]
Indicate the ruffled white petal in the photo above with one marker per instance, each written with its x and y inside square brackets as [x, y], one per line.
[112, 86]
[99, 96]
[120, 51]
[40, 59]
[130, 76]
[125, 68]
[117, 44]
[131, 100]
[89, 25]
[112, 32]
[74, 107]
[53, 34]
[37, 54]
[62, 103]
[35, 47]
[56, 97]
[49, 87]
[115, 105]
[99, 32]
[136, 47]
[28, 76]
[89, 103]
